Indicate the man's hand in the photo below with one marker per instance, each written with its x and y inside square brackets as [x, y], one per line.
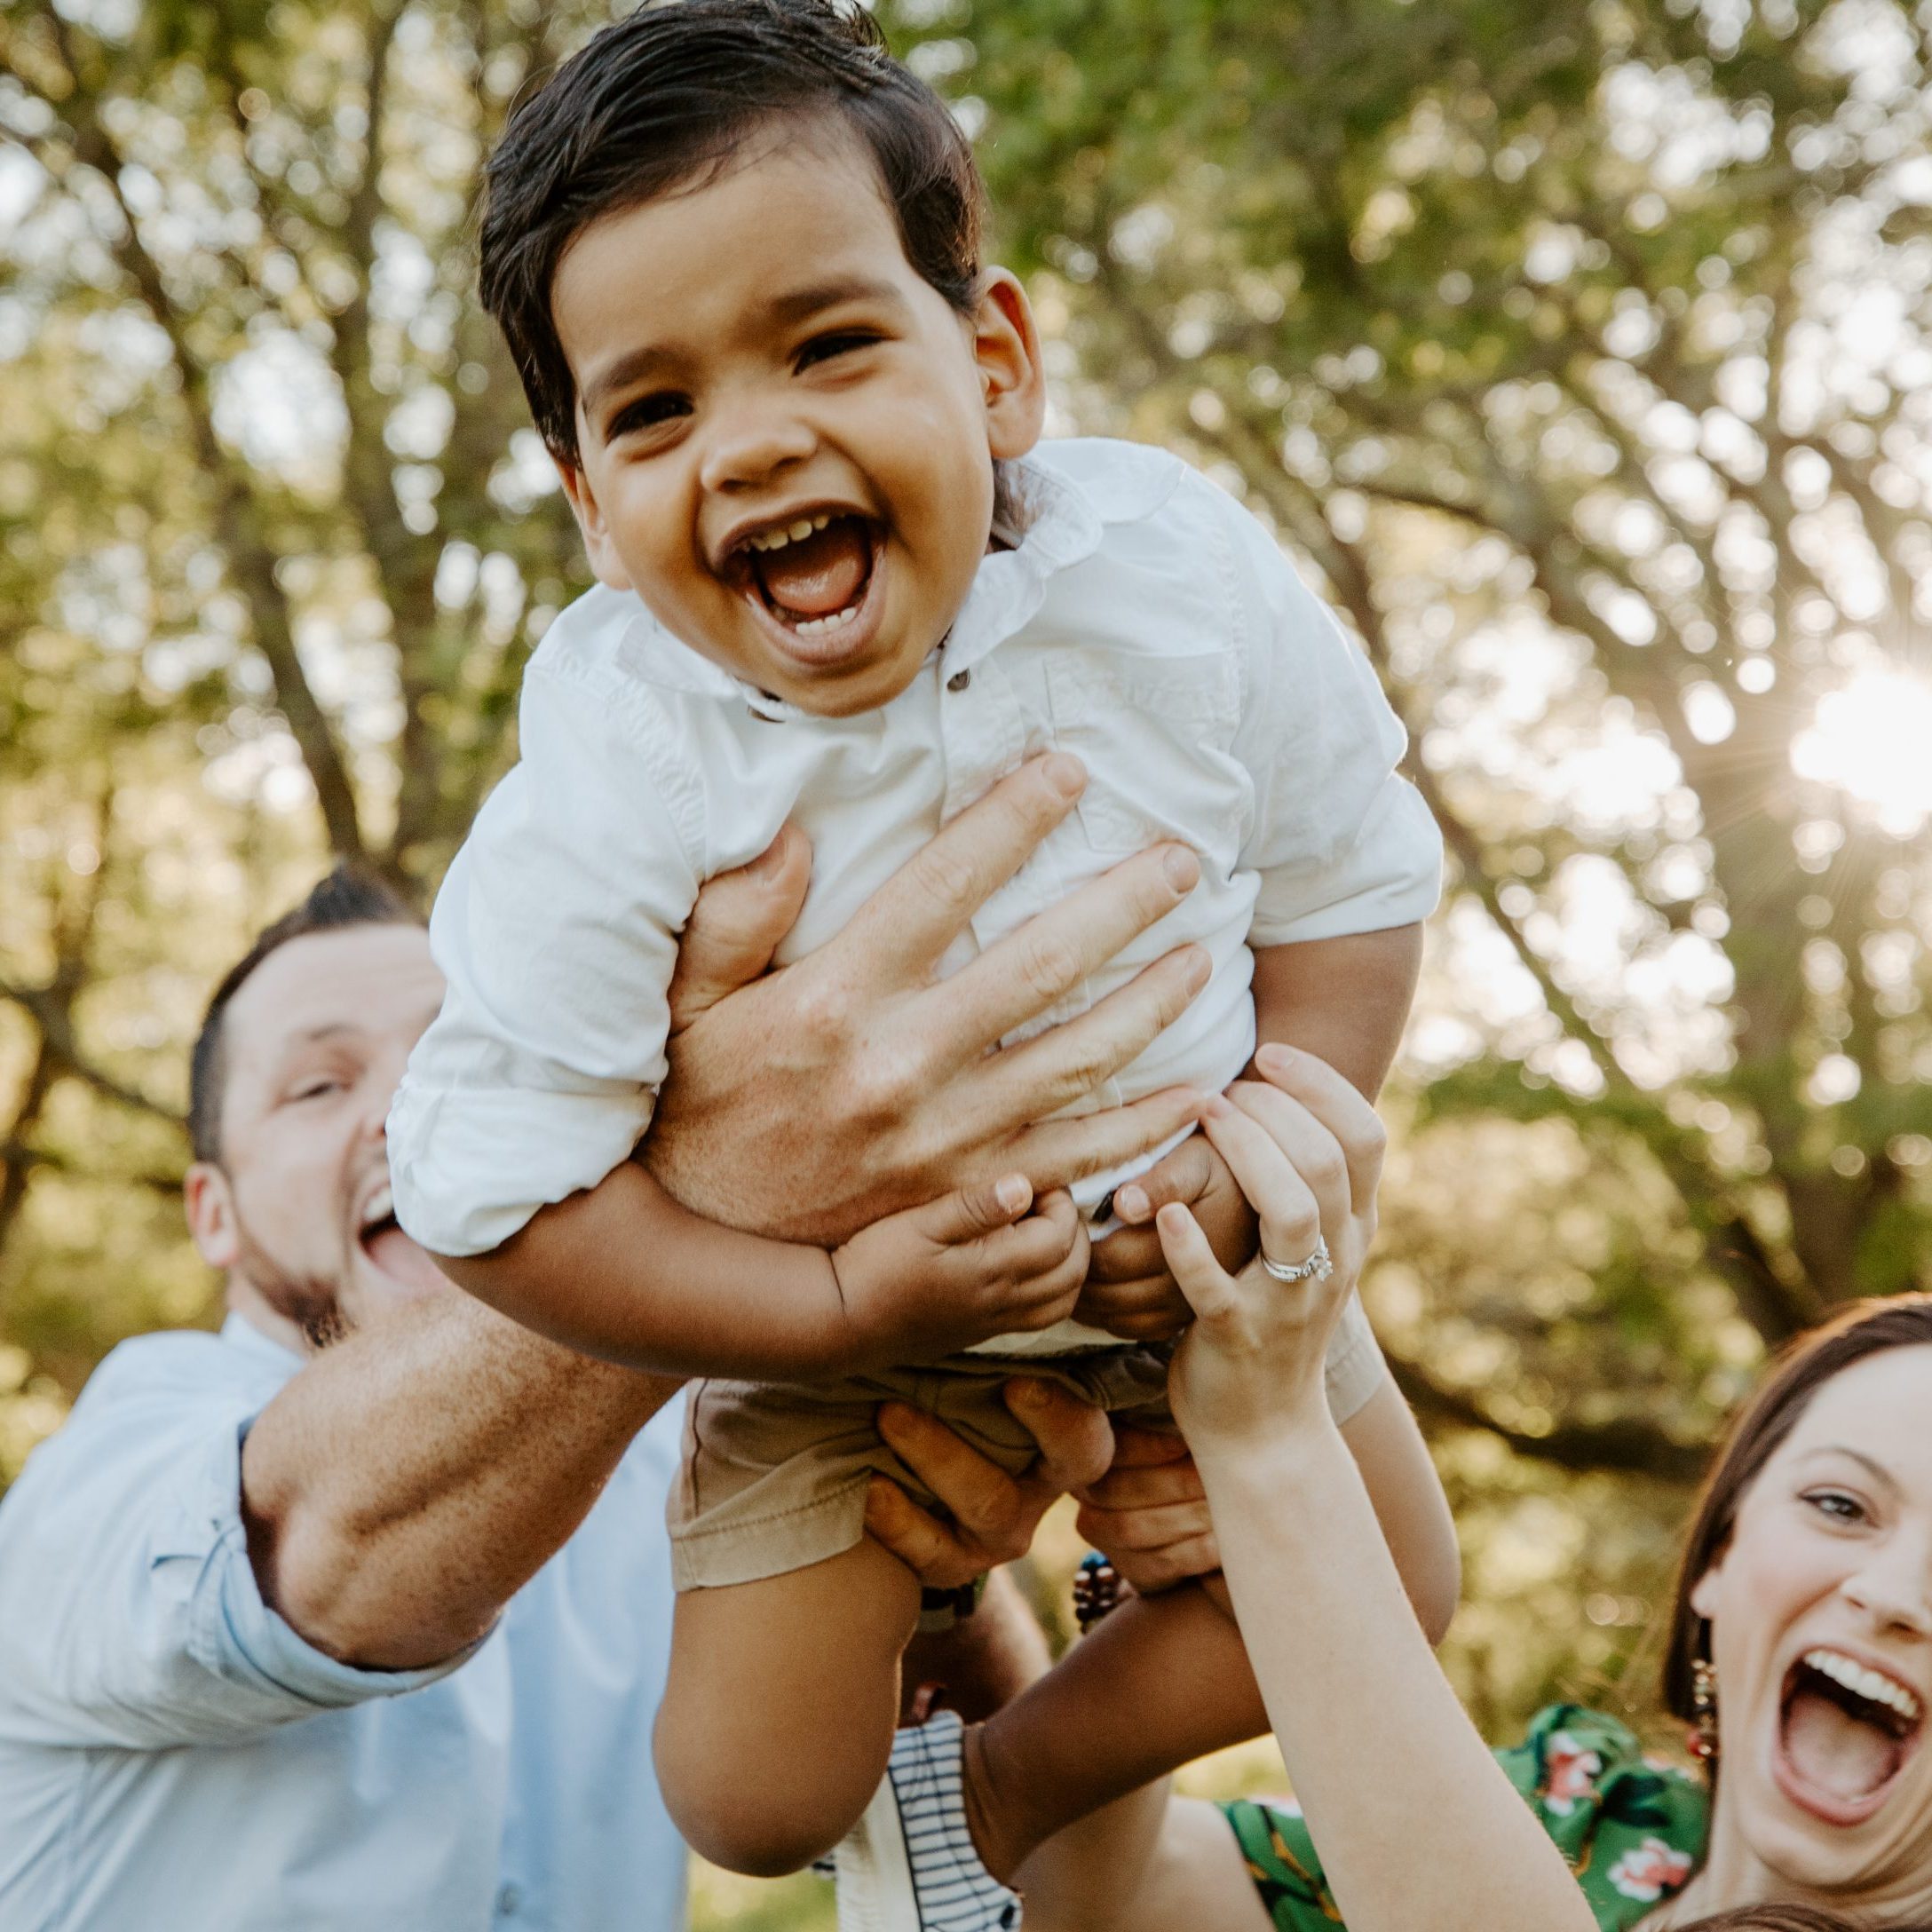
[1141, 1501]
[937, 1279]
[993, 1514]
[1148, 1515]
[1129, 1291]
[897, 1073]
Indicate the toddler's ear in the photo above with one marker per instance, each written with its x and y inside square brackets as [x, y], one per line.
[597, 536]
[1006, 347]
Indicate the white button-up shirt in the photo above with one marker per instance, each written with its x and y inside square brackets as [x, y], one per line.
[174, 1757]
[1140, 618]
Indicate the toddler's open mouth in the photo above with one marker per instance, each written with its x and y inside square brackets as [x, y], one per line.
[812, 576]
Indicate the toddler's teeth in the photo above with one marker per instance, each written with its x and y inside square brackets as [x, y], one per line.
[819, 523]
[801, 528]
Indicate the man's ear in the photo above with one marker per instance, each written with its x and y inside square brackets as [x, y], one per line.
[597, 536]
[209, 1201]
[1006, 347]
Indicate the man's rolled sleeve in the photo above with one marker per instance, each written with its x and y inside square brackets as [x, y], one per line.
[129, 1615]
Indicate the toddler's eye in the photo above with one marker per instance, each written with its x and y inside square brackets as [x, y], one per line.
[841, 342]
[645, 413]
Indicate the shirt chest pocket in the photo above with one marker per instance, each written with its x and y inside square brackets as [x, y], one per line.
[1155, 734]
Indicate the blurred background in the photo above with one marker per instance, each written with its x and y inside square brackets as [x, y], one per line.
[1578, 349]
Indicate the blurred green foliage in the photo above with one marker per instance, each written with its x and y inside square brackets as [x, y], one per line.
[1578, 349]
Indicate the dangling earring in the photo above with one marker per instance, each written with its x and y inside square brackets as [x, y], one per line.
[1703, 1737]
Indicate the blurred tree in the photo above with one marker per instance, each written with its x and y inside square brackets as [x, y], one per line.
[270, 506]
[1582, 348]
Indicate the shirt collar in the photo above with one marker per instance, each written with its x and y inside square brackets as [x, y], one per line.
[1052, 524]
[238, 1331]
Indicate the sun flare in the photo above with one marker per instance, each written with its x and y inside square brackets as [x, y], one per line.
[1874, 739]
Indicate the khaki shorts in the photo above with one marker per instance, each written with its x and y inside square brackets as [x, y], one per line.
[775, 1474]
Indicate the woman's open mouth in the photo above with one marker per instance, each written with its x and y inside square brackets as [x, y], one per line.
[1845, 1732]
[814, 581]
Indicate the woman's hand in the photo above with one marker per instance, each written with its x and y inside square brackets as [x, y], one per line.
[1306, 1150]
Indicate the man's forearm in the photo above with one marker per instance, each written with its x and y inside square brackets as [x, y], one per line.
[1344, 1000]
[413, 1477]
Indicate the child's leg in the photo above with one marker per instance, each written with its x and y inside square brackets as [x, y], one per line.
[1163, 1681]
[777, 1721]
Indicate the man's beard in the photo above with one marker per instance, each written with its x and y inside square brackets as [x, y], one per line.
[312, 1304]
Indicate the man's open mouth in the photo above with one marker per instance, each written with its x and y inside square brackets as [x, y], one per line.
[810, 573]
[390, 1251]
[1845, 1733]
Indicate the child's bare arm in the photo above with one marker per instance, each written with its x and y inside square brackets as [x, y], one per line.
[621, 1271]
[1344, 1000]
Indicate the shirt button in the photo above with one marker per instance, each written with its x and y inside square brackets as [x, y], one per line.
[959, 680]
[508, 1901]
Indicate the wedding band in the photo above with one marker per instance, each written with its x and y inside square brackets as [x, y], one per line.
[1318, 1267]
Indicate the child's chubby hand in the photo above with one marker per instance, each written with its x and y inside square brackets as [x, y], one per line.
[1130, 1292]
[973, 1264]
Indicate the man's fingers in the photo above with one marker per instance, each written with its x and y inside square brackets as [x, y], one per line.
[1075, 1438]
[1065, 1064]
[1184, 1176]
[1059, 1152]
[1147, 1526]
[903, 928]
[995, 1513]
[1137, 1448]
[1040, 964]
[936, 1558]
[1149, 1571]
[737, 924]
[1355, 1125]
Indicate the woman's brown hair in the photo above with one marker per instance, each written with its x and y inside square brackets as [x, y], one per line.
[1767, 1420]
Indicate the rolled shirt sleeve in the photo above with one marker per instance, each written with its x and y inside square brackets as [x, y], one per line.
[129, 1615]
[556, 930]
[1342, 842]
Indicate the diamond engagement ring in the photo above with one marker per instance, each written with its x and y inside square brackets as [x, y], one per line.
[1318, 1267]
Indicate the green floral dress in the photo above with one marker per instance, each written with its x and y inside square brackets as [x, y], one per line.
[1631, 1827]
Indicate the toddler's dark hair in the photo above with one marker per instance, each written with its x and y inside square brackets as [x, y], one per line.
[668, 96]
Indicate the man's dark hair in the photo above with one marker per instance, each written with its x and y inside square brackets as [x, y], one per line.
[666, 97]
[348, 896]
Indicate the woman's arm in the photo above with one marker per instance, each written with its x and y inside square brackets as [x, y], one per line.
[1398, 1789]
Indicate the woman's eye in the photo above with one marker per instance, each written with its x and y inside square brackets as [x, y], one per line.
[1837, 1505]
[646, 413]
[822, 348]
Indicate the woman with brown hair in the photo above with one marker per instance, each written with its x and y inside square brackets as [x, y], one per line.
[1800, 1641]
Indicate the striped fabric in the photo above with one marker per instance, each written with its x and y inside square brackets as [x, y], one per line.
[911, 1867]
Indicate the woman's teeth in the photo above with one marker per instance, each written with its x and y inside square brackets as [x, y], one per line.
[814, 627]
[776, 540]
[1868, 1684]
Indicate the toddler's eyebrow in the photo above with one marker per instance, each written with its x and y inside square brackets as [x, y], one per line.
[797, 303]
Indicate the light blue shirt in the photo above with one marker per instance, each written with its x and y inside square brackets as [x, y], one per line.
[173, 1757]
